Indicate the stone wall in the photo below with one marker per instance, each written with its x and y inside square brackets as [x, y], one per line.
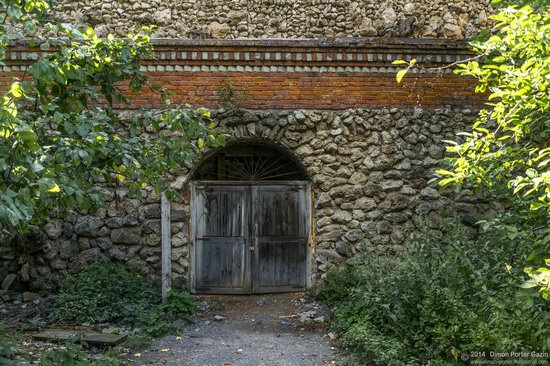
[369, 167]
[282, 18]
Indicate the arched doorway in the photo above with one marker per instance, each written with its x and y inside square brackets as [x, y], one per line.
[251, 223]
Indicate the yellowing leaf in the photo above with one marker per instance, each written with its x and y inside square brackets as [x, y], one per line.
[54, 189]
[121, 178]
[401, 74]
[444, 172]
[204, 112]
[9, 106]
[5, 133]
[89, 33]
[16, 90]
[200, 143]
[454, 352]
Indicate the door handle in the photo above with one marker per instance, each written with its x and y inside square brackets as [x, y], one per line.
[253, 244]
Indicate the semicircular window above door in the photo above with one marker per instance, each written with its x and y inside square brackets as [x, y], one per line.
[249, 162]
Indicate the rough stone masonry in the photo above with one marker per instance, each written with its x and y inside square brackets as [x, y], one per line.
[368, 144]
[283, 18]
[369, 170]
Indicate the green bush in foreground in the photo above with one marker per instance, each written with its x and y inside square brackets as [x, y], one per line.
[72, 355]
[443, 297]
[111, 292]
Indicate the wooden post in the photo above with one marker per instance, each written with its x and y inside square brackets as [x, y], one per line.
[166, 250]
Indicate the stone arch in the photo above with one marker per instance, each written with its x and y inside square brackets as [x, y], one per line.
[286, 156]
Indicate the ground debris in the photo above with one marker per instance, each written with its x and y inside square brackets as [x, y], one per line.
[30, 296]
[249, 335]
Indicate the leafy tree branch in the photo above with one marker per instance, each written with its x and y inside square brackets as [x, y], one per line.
[60, 136]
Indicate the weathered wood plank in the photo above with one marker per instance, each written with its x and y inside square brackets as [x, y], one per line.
[89, 337]
[220, 232]
[166, 248]
[282, 216]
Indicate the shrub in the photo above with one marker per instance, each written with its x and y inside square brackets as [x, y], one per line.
[6, 347]
[443, 296]
[72, 355]
[110, 292]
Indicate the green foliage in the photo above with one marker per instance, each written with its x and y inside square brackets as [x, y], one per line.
[6, 347]
[179, 303]
[109, 292]
[18, 18]
[444, 296]
[539, 278]
[340, 283]
[369, 344]
[506, 155]
[507, 151]
[72, 354]
[60, 134]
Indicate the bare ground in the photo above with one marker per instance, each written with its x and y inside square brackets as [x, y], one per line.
[255, 331]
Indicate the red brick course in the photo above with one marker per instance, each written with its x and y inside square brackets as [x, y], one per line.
[317, 91]
[308, 90]
[359, 82]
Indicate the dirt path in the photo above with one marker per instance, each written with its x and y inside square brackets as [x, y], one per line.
[255, 331]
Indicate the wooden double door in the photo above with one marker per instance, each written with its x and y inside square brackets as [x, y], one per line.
[250, 238]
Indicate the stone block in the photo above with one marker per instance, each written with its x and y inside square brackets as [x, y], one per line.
[126, 235]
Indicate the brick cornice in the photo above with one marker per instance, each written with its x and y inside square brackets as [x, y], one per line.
[356, 55]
